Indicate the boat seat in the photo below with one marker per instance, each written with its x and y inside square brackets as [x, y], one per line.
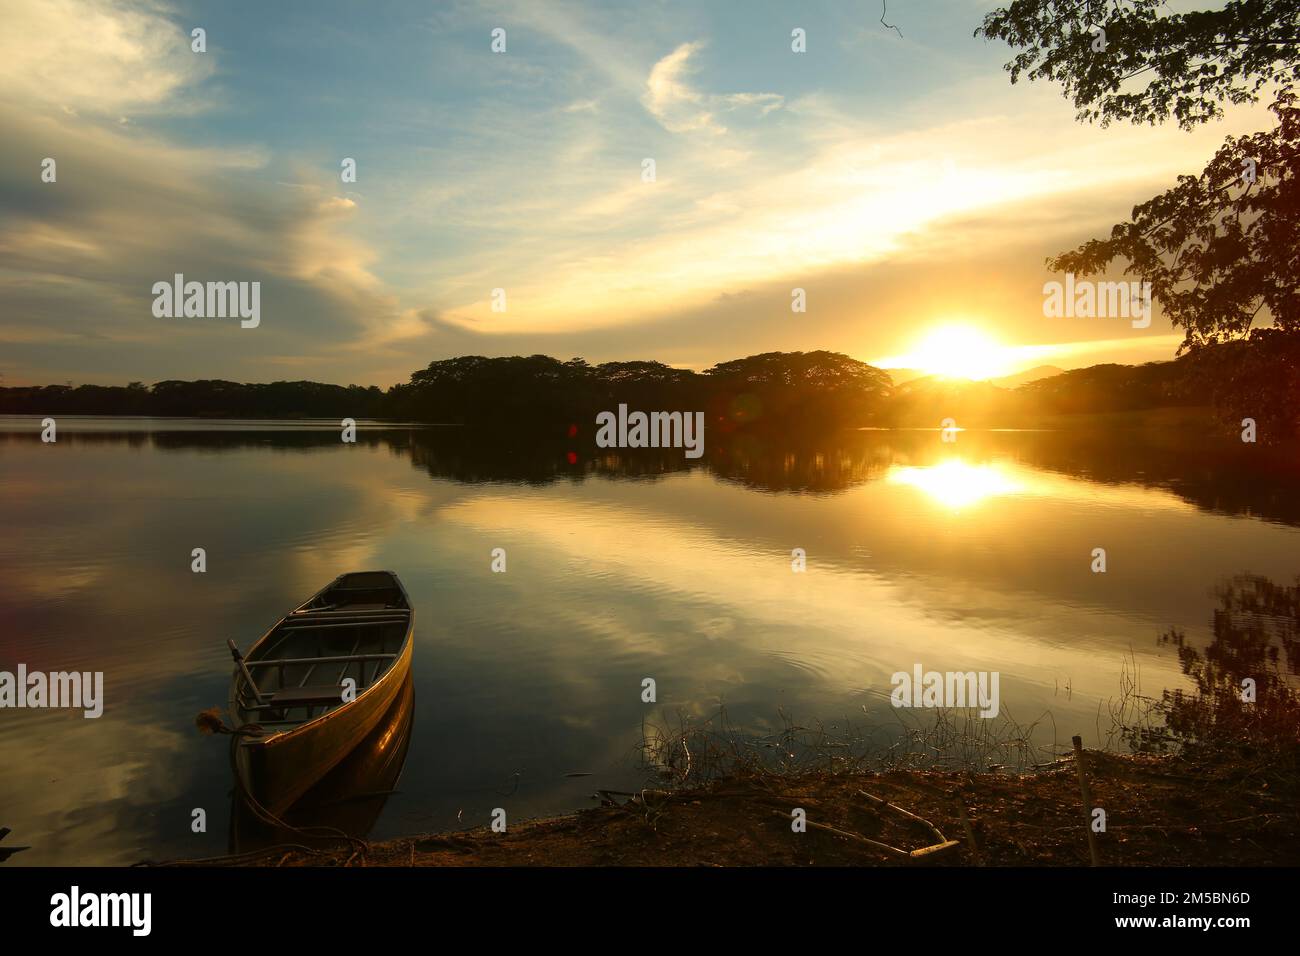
[301, 696]
[363, 607]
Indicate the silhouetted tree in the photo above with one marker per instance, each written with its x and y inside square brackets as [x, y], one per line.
[815, 388]
[1220, 247]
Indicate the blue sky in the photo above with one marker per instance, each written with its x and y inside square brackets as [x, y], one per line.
[902, 181]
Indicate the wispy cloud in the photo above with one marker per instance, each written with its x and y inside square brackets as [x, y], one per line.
[676, 104]
[706, 228]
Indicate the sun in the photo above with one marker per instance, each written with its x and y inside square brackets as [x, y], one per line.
[956, 350]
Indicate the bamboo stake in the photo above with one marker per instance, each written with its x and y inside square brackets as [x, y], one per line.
[876, 844]
[1086, 794]
[940, 847]
[906, 813]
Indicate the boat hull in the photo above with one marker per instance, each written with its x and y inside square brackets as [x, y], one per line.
[280, 769]
[349, 798]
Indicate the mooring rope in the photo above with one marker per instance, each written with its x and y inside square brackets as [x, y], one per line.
[210, 722]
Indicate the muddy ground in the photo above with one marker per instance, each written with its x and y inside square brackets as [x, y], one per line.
[1159, 810]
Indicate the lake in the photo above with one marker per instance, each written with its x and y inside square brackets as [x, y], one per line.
[975, 554]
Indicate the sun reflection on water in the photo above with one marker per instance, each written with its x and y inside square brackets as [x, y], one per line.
[956, 484]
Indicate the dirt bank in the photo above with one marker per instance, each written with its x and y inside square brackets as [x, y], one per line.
[1159, 810]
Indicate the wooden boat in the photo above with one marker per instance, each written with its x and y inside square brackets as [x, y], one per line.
[290, 697]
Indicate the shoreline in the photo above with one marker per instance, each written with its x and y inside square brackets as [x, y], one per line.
[1160, 811]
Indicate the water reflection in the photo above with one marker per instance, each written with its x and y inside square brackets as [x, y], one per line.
[956, 484]
[1214, 473]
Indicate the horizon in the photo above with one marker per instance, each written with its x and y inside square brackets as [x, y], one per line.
[894, 181]
[909, 374]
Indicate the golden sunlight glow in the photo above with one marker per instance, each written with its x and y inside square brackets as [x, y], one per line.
[956, 484]
[957, 350]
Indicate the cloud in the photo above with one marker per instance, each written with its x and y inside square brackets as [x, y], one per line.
[847, 197]
[95, 57]
[680, 108]
[80, 255]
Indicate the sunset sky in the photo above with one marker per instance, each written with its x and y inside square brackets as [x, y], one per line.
[901, 181]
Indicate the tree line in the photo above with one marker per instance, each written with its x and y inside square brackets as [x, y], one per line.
[773, 388]
[1256, 377]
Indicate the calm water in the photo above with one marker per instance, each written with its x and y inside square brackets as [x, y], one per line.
[973, 555]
